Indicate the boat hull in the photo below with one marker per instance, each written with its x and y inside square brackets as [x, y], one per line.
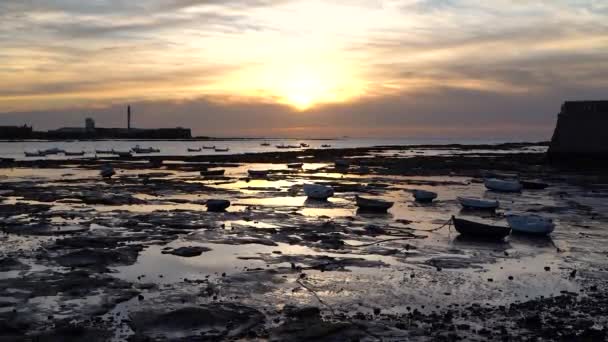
[530, 224]
[480, 230]
[373, 205]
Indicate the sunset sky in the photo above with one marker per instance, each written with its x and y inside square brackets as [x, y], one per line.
[306, 68]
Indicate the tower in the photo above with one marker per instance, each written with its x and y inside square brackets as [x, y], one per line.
[129, 117]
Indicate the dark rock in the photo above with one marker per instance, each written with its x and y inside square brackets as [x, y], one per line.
[188, 251]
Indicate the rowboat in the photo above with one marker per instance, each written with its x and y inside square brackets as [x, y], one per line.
[318, 191]
[258, 173]
[194, 149]
[304, 145]
[295, 165]
[222, 149]
[530, 224]
[211, 173]
[480, 230]
[208, 147]
[503, 185]
[478, 203]
[534, 185]
[424, 196]
[81, 153]
[33, 154]
[217, 205]
[371, 204]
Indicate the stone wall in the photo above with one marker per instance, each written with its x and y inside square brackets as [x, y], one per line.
[581, 131]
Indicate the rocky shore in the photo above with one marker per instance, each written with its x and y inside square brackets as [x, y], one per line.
[138, 257]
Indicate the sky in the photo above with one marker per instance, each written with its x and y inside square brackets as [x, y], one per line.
[303, 68]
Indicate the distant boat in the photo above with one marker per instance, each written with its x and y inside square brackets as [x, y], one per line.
[318, 191]
[81, 153]
[293, 146]
[217, 205]
[138, 149]
[104, 151]
[530, 224]
[533, 185]
[480, 230]
[208, 147]
[424, 196]
[258, 173]
[325, 145]
[51, 151]
[194, 149]
[372, 204]
[107, 171]
[282, 146]
[295, 165]
[209, 173]
[33, 154]
[478, 203]
[503, 185]
[304, 145]
[342, 164]
[123, 154]
[222, 149]
[265, 144]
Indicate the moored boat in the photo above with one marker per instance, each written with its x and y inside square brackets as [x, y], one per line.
[318, 192]
[51, 151]
[478, 203]
[530, 224]
[257, 173]
[194, 149]
[210, 173]
[209, 147]
[265, 144]
[325, 145]
[33, 154]
[480, 230]
[295, 165]
[123, 154]
[139, 149]
[372, 204]
[424, 195]
[217, 205]
[107, 171]
[67, 153]
[282, 146]
[304, 145]
[226, 149]
[503, 185]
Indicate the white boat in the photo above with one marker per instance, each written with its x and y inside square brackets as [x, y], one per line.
[478, 203]
[107, 171]
[424, 196]
[318, 191]
[530, 224]
[372, 204]
[258, 173]
[503, 185]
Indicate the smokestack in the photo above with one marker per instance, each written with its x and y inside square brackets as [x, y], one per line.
[129, 117]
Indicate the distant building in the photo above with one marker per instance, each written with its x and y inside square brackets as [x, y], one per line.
[15, 132]
[581, 130]
[89, 124]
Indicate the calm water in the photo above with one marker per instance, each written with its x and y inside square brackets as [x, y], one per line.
[17, 149]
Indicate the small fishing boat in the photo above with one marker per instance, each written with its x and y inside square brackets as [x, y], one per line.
[139, 149]
[209, 147]
[194, 149]
[293, 146]
[257, 173]
[222, 149]
[503, 185]
[67, 153]
[318, 192]
[478, 203]
[213, 173]
[217, 205]
[265, 144]
[282, 146]
[530, 224]
[304, 145]
[33, 154]
[480, 230]
[325, 146]
[534, 185]
[104, 151]
[372, 204]
[341, 164]
[107, 171]
[51, 151]
[424, 196]
[295, 165]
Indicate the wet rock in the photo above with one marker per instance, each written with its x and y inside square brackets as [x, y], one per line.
[11, 264]
[73, 333]
[100, 258]
[187, 251]
[8, 210]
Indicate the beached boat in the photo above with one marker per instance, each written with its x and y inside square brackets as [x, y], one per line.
[217, 205]
[295, 165]
[33, 154]
[372, 204]
[257, 173]
[209, 147]
[139, 149]
[67, 153]
[424, 195]
[107, 171]
[530, 224]
[503, 185]
[533, 185]
[194, 149]
[341, 164]
[478, 203]
[480, 230]
[222, 149]
[318, 192]
[211, 173]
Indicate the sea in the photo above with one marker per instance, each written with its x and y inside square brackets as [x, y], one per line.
[17, 149]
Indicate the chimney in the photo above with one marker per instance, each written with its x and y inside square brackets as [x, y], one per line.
[128, 117]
